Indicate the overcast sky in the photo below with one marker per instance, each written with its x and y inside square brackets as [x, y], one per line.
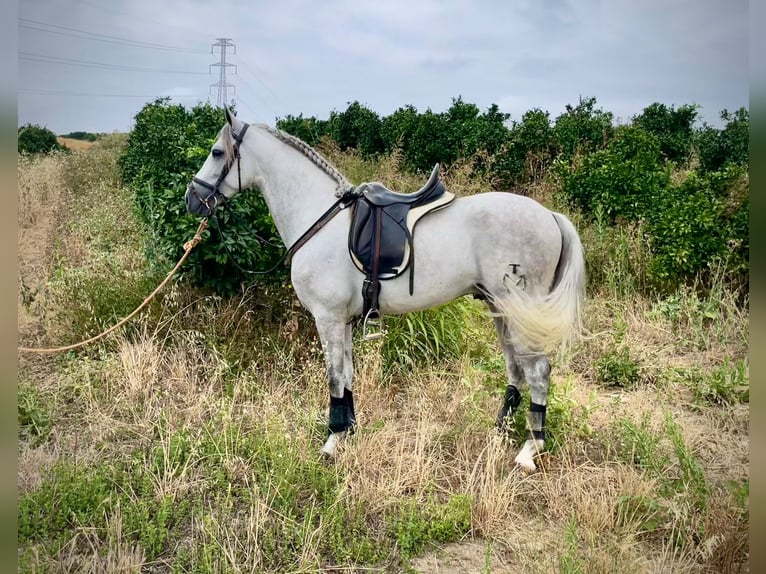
[83, 63]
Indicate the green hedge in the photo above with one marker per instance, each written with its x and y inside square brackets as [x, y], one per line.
[166, 148]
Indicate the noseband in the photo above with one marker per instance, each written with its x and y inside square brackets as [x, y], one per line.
[215, 193]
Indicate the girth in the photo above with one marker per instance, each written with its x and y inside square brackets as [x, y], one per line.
[380, 239]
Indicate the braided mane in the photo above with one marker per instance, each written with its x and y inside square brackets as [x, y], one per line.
[314, 156]
[227, 142]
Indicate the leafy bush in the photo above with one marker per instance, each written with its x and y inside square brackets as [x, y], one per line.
[309, 130]
[85, 136]
[425, 138]
[620, 182]
[527, 152]
[673, 128]
[166, 148]
[33, 138]
[358, 127]
[617, 368]
[700, 220]
[582, 128]
[730, 145]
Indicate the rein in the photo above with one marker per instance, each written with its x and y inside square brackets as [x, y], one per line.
[349, 196]
[346, 200]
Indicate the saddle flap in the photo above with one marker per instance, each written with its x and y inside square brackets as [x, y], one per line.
[398, 222]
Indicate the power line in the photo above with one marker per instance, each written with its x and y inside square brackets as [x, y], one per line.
[85, 35]
[264, 84]
[31, 57]
[163, 24]
[92, 94]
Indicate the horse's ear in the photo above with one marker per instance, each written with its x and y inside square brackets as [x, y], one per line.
[229, 116]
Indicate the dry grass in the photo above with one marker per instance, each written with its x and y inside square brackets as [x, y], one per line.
[424, 436]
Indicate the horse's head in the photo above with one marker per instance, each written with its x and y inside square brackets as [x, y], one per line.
[221, 176]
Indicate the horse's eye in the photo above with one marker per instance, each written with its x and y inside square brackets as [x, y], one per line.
[217, 152]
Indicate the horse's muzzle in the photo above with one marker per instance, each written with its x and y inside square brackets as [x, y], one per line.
[198, 205]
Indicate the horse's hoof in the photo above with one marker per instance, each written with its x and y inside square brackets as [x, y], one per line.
[525, 458]
[331, 444]
[525, 464]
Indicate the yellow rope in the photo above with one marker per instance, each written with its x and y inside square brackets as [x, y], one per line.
[188, 246]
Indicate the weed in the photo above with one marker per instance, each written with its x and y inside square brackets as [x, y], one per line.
[617, 368]
[726, 384]
[641, 510]
[34, 415]
[415, 524]
[570, 560]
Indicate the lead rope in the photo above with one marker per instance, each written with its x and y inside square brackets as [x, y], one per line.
[188, 246]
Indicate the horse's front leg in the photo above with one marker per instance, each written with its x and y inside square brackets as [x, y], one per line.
[336, 346]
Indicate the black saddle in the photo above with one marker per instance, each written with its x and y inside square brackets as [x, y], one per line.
[379, 195]
[380, 239]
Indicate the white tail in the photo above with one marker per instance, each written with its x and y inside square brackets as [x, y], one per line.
[543, 324]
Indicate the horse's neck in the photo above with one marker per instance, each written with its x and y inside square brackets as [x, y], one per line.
[296, 190]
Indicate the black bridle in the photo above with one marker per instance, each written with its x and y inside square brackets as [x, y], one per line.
[215, 192]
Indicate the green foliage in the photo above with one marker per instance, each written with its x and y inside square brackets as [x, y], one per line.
[167, 147]
[622, 181]
[570, 559]
[672, 128]
[432, 336]
[717, 148]
[424, 138]
[398, 128]
[695, 223]
[724, 385]
[683, 491]
[582, 128]
[416, 524]
[33, 138]
[34, 416]
[358, 127]
[85, 136]
[527, 152]
[309, 130]
[72, 497]
[617, 368]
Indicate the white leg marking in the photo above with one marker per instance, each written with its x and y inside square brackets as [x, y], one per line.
[332, 442]
[525, 458]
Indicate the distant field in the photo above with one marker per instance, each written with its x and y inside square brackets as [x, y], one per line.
[74, 144]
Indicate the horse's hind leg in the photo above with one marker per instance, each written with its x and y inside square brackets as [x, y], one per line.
[512, 397]
[336, 343]
[535, 369]
[537, 372]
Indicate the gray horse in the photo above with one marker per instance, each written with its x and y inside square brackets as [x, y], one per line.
[523, 259]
